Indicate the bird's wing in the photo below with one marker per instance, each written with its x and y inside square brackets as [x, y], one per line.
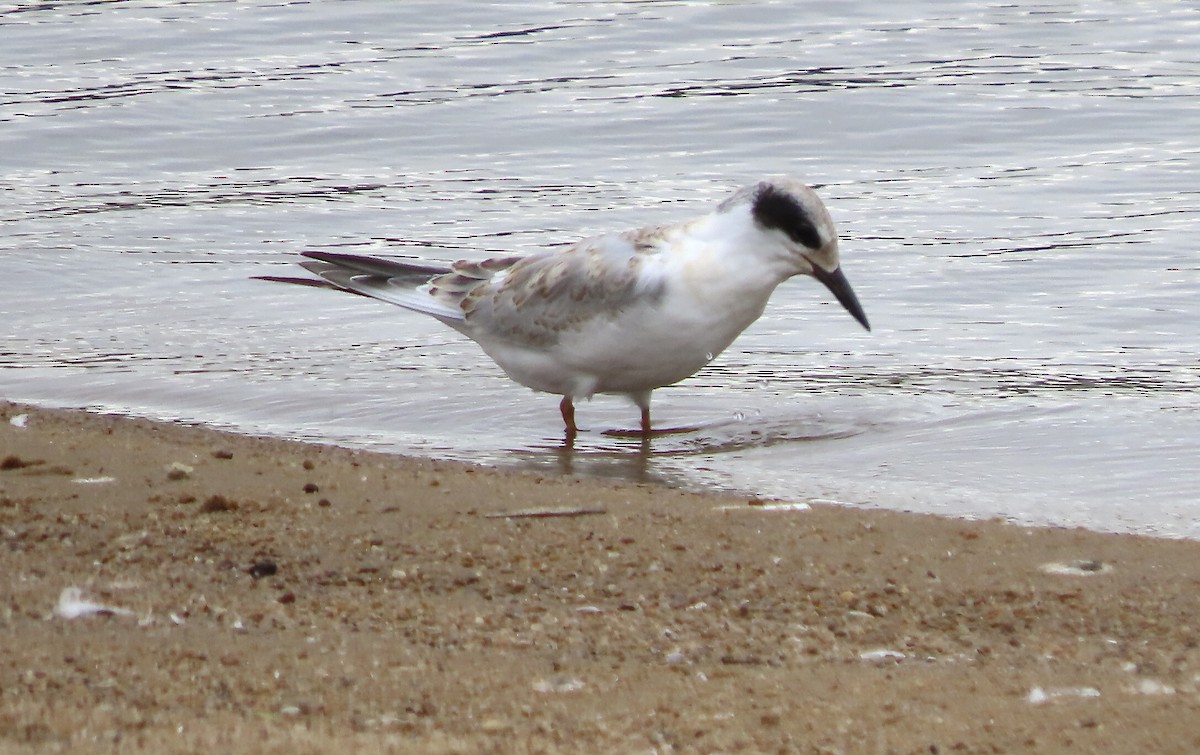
[529, 300]
[392, 281]
[534, 300]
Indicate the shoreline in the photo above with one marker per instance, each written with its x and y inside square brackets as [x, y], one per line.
[285, 596]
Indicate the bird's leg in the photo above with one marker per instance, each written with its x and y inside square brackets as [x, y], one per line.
[567, 407]
[642, 400]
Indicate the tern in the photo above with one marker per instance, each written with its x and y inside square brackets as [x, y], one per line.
[621, 313]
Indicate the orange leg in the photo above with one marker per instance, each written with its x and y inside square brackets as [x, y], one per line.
[567, 407]
[645, 421]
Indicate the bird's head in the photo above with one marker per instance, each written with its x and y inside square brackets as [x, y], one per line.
[795, 218]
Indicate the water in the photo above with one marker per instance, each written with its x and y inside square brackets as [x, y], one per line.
[1017, 189]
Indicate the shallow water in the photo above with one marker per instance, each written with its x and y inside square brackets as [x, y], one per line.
[1017, 190]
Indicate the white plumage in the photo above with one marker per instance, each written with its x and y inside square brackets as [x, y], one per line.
[621, 313]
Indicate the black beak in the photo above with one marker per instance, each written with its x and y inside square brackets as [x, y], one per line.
[837, 283]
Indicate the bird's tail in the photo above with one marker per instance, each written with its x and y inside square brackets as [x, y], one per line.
[392, 281]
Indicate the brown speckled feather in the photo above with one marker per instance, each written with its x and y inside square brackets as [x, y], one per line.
[534, 300]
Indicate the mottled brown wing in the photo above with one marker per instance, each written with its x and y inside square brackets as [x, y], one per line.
[538, 298]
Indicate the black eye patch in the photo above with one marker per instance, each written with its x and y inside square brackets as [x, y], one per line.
[777, 209]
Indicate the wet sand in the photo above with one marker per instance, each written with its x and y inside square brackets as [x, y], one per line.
[265, 596]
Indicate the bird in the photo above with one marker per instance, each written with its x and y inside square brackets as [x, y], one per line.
[620, 313]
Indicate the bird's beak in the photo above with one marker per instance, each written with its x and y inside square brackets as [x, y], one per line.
[836, 282]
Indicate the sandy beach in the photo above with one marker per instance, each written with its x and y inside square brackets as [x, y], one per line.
[176, 589]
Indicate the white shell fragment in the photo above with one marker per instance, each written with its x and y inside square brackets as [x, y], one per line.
[547, 686]
[1084, 567]
[72, 605]
[1039, 695]
[1152, 687]
[177, 470]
